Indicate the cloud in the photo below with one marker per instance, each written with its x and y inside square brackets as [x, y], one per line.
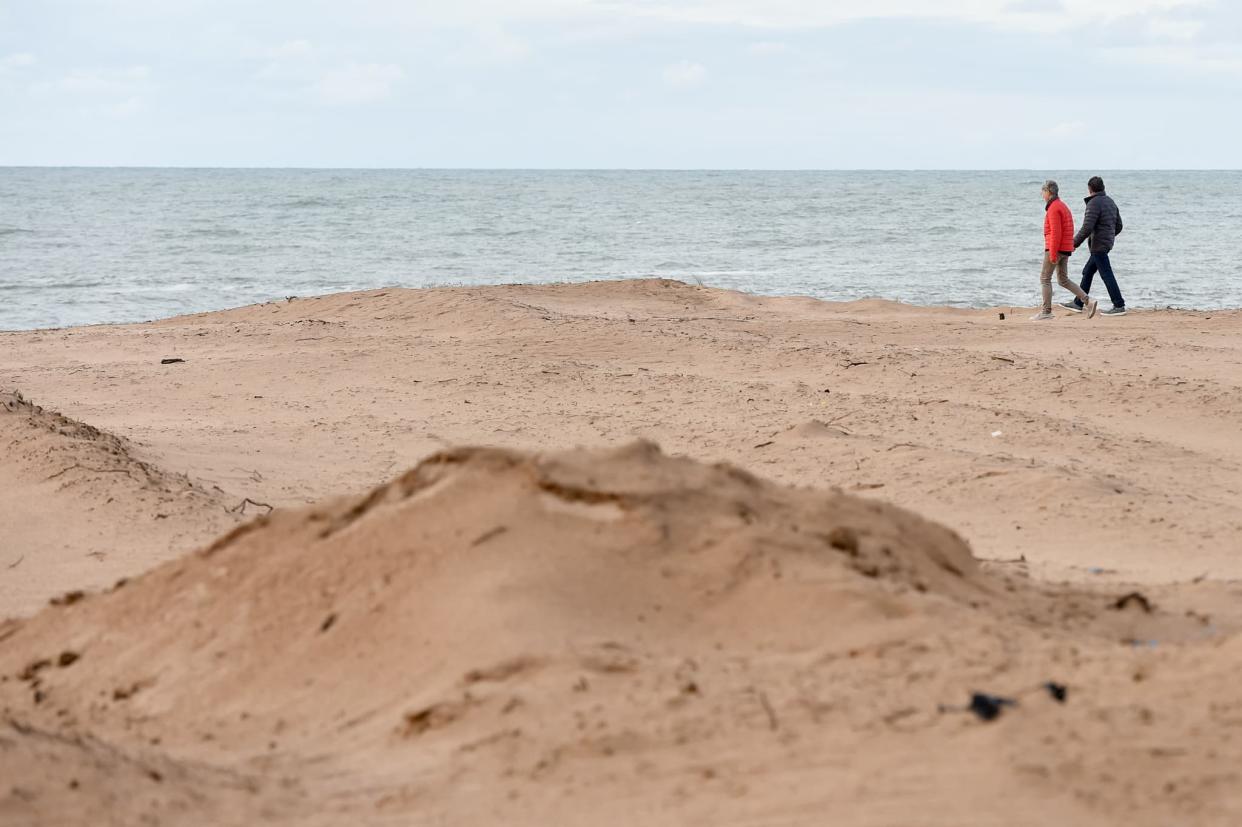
[789, 15]
[566, 82]
[685, 75]
[128, 81]
[1193, 59]
[292, 60]
[1162, 27]
[290, 50]
[766, 48]
[18, 61]
[494, 44]
[130, 106]
[1066, 130]
[1037, 15]
[358, 83]
[1037, 7]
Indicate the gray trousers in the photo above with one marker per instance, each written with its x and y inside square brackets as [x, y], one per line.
[1045, 280]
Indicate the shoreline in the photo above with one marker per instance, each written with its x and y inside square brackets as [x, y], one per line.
[983, 308]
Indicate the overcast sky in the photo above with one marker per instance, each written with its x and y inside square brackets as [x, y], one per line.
[893, 84]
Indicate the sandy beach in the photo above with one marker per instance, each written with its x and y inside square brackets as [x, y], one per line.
[414, 557]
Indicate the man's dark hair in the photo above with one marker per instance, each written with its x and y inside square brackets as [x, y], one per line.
[1096, 184]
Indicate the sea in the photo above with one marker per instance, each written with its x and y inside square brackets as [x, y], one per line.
[107, 245]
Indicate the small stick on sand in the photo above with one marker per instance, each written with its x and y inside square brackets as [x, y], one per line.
[240, 508]
[487, 535]
[773, 723]
[88, 468]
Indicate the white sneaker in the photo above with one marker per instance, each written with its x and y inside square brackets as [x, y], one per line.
[1043, 316]
[1092, 306]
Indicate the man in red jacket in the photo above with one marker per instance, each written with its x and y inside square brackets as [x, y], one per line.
[1058, 247]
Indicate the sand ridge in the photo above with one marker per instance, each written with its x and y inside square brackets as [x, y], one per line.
[80, 510]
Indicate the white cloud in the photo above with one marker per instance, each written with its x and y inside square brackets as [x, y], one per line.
[293, 60]
[358, 83]
[497, 45]
[130, 106]
[470, 12]
[803, 14]
[290, 50]
[1066, 130]
[766, 48]
[1167, 20]
[685, 75]
[1174, 29]
[1217, 60]
[128, 81]
[18, 61]
[1035, 15]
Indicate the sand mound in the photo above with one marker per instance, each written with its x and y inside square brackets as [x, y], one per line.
[481, 555]
[16, 408]
[71, 490]
[493, 633]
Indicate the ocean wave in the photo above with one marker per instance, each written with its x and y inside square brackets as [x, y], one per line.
[15, 231]
[717, 273]
[56, 285]
[312, 201]
[216, 232]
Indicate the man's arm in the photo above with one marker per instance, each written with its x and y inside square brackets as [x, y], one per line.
[1088, 224]
[1054, 243]
[1117, 226]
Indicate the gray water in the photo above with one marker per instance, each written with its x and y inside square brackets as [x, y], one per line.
[82, 246]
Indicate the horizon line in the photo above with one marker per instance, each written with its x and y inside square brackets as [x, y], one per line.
[606, 169]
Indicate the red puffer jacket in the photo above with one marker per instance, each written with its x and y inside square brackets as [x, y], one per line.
[1058, 227]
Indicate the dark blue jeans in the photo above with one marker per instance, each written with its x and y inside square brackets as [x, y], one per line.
[1099, 263]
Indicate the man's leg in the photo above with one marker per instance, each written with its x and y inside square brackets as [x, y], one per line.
[1045, 283]
[1088, 275]
[1064, 281]
[1106, 273]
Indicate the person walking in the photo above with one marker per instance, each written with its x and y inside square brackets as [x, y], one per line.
[1102, 224]
[1058, 247]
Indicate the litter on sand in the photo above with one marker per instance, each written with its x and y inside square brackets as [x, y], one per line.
[988, 707]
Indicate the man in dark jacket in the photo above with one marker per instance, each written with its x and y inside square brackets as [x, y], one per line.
[1102, 224]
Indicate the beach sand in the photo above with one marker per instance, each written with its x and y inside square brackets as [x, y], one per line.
[746, 625]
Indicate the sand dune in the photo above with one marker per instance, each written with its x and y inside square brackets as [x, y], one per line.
[79, 510]
[738, 630]
[502, 638]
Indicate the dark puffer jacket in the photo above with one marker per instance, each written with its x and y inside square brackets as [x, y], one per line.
[1102, 222]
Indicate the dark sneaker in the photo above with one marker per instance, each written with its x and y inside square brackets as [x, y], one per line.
[1073, 307]
[1113, 311]
[1092, 306]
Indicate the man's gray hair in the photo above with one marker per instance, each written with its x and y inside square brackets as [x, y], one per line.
[1051, 188]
